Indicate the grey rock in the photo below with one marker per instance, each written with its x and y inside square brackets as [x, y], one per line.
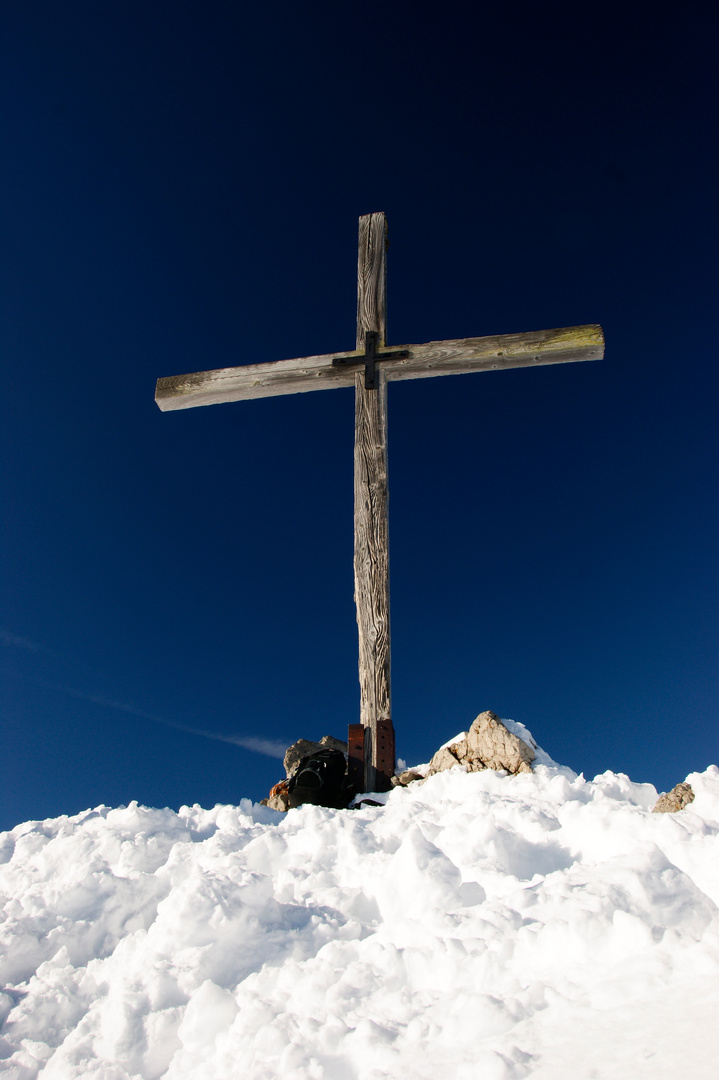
[676, 799]
[445, 758]
[303, 747]
[492, 744]
[407, 777]
[334, 744]
[487, 745]
[294, 753]
[278, 802]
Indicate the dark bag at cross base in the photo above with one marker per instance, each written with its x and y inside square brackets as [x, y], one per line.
[320, 778]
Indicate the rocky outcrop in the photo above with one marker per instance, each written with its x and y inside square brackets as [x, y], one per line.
[487, 745]
[676, 799]
[279, 797]
[303, 747]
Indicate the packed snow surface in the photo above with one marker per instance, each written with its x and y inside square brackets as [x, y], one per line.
[477, 926]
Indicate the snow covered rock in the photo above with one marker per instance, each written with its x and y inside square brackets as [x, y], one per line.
[488, 744]
[407, 776]
[676, 799]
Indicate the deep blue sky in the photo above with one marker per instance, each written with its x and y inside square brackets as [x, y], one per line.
[179, 190]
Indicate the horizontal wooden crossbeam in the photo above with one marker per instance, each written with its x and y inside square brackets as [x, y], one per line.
[453, 357]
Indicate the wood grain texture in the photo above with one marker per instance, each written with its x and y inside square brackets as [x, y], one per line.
[372, 277]
[250, 381]
[371, 566]
[371, 539]
[453, 357]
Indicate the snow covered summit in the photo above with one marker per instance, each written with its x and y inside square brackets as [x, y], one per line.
[478, 926]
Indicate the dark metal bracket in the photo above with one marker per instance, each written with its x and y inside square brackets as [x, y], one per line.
[370, 359]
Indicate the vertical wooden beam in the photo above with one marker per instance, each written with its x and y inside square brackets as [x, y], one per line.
[372, 278]
[371, 551]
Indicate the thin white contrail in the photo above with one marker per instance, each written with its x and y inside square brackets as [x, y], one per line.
[270, 747]
[8, 638]
[274, 748]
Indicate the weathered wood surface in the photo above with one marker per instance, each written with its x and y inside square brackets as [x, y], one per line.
[454, 357]
[371, 539]
[372, 278]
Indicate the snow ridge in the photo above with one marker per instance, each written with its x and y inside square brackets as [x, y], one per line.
[476, 925]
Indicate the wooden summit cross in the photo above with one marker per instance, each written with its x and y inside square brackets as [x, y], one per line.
[369, 368]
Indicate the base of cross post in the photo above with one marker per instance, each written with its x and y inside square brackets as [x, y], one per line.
[355, 758]
[384, 754]
[377, 776]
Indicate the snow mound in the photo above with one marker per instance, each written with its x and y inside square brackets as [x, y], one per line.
[475, 926]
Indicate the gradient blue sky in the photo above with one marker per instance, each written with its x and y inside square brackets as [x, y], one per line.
[180, 190]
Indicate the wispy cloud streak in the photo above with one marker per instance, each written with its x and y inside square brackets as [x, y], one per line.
[8, 639]
[269, 747]
[274, 748]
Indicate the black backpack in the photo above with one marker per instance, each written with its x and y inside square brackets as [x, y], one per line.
[320, 778]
